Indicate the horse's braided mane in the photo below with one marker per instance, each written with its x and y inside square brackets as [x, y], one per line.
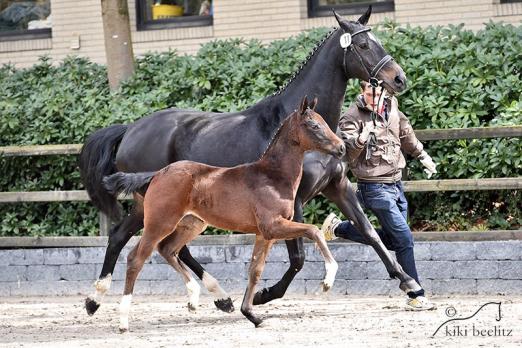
[307, 59]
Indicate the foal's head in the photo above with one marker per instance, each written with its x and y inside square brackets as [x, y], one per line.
[312, 133]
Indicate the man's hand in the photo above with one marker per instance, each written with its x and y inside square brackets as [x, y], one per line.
[368, 128]
[427, 162]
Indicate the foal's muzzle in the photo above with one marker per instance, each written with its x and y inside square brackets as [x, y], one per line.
[340, 151]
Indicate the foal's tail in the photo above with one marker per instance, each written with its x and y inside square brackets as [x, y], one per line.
[96, 161]
[127, 182]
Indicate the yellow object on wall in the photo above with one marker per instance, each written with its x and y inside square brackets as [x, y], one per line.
[166, 11]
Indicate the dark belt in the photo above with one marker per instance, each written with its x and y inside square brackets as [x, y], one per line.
[378, 182]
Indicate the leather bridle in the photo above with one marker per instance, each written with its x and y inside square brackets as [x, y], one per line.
[346, 43]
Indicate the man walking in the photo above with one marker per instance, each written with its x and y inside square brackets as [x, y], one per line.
[375, 132]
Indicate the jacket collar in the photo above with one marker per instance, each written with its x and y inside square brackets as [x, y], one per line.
[361, 105]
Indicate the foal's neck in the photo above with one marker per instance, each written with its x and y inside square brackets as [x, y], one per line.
[284, 154]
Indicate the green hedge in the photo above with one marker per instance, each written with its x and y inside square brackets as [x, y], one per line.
[457, 78]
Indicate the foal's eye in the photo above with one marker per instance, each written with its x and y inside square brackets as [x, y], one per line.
[315, 126]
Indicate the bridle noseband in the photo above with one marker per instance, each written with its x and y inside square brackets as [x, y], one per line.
[346, 42]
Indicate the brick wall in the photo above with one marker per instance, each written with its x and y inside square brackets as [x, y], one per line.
[73, 18]
[263, 19]
[444, 268]
[471, 12]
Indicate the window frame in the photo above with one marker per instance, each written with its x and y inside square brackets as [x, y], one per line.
[316, 10]
[26, 34]
[142, 23]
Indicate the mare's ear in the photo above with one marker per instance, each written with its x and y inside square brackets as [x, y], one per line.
[343, 23]
[304, 105]
[366, 16]
[313, 104]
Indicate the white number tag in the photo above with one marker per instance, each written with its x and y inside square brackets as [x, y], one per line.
[346, 40]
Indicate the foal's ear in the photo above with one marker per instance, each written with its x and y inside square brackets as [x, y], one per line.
[365, 17]
[343, 23]
[313, 104]
[304, 105]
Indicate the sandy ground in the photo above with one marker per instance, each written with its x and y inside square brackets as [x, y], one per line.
[296, 321]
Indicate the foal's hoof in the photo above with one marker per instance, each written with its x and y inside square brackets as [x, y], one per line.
[124, 329]
[250, 316]
[191, 307]
[261, 324]
[258, 323]
[225, 304]
[91, 306]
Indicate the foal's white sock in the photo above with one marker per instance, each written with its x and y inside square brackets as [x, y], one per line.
[194, 290]
[331, 270]
[124, 312]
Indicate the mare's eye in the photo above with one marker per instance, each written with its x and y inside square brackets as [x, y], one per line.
[364, 45]
[315, 126]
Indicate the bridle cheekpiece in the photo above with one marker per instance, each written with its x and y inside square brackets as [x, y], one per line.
[346, 43]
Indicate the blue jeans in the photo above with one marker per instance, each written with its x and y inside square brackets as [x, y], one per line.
[388, 203]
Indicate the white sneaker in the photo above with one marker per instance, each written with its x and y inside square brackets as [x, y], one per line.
[420, 303]
[329, 225]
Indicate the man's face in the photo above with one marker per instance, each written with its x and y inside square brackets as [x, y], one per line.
[370, 101]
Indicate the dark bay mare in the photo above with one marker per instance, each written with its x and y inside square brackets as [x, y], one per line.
[229, 139]
[254, 198]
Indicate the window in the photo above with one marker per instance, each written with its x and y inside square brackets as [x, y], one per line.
[162, 14]
[25, 19]
[319, 8]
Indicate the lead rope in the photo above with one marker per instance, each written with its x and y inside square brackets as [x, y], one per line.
[372, 140]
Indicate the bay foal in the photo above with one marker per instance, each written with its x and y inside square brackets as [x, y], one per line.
[253, 198]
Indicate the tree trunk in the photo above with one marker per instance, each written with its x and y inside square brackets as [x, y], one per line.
[118, 44]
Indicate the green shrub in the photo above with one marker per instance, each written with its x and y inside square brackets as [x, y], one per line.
[457, 78]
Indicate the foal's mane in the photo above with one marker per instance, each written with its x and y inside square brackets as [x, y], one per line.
[278, 131]
[318, 45]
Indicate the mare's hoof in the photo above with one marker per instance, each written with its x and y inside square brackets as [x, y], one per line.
[225, 304]
[262, 297]
[410, 286]
[191, 307]
[91, 306]
[124, 329]
[326, 287]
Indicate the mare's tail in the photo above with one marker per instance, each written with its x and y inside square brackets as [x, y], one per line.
[96, 161]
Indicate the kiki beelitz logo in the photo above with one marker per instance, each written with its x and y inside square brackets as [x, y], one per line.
[457, 327]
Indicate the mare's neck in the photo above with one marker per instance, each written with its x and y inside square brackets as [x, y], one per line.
[323, 77]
